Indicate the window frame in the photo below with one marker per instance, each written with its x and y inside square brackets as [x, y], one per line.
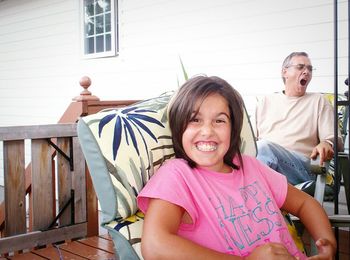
[114, 33]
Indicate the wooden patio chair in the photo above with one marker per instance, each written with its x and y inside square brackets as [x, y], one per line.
[325, 175]
[123, 147]
[342, 156]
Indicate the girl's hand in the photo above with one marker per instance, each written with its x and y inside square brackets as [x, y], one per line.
[325, 250]
[271, 251]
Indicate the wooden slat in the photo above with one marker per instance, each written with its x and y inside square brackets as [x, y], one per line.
[92, 206]
[79, 182]
[344, 242]
[99, 242]
[64, 180]
[106, 236]
[92, 107]
[43, 200]
[37, 131]
[86, 251]
[87, 107]
[34, 239]
[27, 256]
[15, 207]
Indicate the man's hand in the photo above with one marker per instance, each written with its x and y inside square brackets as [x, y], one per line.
[325, 150]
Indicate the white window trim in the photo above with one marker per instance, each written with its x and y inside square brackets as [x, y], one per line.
[114, 33]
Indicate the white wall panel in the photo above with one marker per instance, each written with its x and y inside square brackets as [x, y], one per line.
[243, 41]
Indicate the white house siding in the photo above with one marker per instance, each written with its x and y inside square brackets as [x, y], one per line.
[243, 41]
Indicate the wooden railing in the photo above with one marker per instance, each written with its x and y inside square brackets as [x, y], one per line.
[51, 198]
[56, 161]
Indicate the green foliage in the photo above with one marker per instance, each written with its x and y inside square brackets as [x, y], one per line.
[183, 69]
[184, 72]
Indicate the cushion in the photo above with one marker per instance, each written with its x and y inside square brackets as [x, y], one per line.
[341, 111]
[131, 229]
[293, 231]
[342, 121]
[134, 141]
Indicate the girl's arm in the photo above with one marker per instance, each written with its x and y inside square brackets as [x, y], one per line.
[314, 218]
[160, 239]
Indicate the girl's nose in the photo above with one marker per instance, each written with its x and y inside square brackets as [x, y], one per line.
[206, 129]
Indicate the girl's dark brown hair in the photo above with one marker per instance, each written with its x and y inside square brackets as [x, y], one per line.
[182, 107]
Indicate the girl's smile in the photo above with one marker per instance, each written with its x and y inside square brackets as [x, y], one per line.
[206, 146]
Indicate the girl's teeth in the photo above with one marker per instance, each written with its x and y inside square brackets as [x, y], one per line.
[206, 147]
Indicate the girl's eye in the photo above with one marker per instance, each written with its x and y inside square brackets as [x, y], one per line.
[220, 121]
[194, 120]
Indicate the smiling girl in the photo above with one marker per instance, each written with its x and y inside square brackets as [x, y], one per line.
[211, 202]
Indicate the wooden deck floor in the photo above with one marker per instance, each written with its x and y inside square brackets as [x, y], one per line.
[100, 247]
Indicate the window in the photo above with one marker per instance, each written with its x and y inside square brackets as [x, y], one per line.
[100, 30]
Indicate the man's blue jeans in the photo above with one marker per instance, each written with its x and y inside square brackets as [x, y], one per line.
[295, 166]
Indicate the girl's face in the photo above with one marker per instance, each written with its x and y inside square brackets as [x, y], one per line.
[206, 139]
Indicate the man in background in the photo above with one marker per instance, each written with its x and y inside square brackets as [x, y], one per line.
[294, 126]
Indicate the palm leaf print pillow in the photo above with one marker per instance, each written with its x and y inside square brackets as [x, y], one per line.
[135, 141]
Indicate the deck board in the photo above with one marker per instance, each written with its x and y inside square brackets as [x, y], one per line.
[99, 242]
[86, 251]
[26, 256]
[56, 254]
[98, 247]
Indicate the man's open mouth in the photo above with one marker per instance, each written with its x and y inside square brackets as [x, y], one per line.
[303, 82]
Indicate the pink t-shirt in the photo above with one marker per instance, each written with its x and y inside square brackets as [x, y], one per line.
[232, 213]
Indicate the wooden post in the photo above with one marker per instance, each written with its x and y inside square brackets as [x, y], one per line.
[91, 199]
[85, 82]
[80, 105]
